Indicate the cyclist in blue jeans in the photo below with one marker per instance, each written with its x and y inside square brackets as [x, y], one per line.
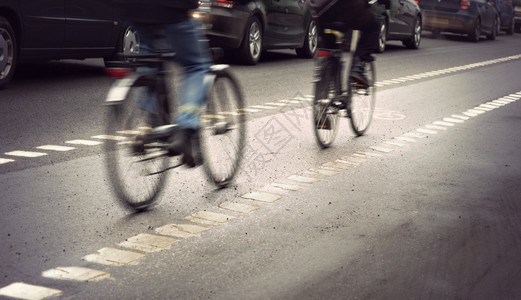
[181, 34]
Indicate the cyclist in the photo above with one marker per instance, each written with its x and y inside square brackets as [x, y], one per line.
[352, 14]
[170, 20]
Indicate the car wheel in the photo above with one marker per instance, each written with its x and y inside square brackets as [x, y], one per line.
[7, 52]
[382, 37]
[310, 42]
[251, 47]
[495, 31]
[128, 43]
[476, 32]
[414, 41]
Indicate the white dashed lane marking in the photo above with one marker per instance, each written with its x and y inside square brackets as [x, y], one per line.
[84, 142]
[209, 218]
[26, 291]
[76, 274]
[262, 196]
[25, 154]
[181, 230]
[114, 257]
[238, 207]
[303, 179]
[5, 161]
[284, 186]
[148, 243]
[55, 148]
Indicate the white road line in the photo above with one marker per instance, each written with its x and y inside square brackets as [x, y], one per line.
[55, 148]
[114, 257]
[426, 131]
[5, 160]
[453, 120]
[76, 274]
[435, 127]
[26, 291]
[84, 142]
[25, 154]
[109, 137]
[460, 117]
[148, 242]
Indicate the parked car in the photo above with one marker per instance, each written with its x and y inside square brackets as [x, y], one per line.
[401, 22]
[517, 18]
[505, 9]
[248, 27]
[32, 30]
[471, 17]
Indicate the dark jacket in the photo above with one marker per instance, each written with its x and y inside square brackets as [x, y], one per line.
[154, 11]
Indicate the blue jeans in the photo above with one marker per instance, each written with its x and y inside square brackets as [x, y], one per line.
[192, 53]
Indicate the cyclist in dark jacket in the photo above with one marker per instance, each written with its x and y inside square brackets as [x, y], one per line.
[170, 20]
[357, 15]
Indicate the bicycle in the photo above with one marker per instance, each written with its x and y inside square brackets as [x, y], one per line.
[356, 101]
[137, 158]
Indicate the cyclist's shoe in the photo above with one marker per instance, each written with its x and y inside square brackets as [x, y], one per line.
[186, 143]
[359, 79]
[358, 75]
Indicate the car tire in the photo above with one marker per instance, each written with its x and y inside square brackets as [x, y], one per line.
[310, 42]
[414, 41]
[128, 43]
[476, 32]
[8, 52]
[251, 48]
[382, 36]
[495, 30]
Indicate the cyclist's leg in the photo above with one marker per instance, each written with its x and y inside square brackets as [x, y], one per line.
[193, 55]
[148, 101]
[365, 48]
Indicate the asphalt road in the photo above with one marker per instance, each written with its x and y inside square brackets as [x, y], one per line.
[438, 217]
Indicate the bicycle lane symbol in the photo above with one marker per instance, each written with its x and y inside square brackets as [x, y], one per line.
[388, 115]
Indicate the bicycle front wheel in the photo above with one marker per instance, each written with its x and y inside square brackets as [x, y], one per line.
[136, 171]
[362, 101]
[223, 129]
[325, 114]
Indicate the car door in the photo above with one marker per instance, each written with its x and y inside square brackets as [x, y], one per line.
[402, 15]
[90, 24]
[487, 13]
[284, 21]
[43, 27]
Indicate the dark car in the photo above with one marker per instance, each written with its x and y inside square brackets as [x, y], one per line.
[401, 22]
[505, 9]
[473, 18]
[247, 27]
[517, 15]
[32, 30]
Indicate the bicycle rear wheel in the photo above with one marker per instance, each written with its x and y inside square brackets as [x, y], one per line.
[362, 101]
[135, 171]
[325, 114]
[223, 129]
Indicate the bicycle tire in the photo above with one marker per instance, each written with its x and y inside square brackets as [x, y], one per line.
[223, 129]
[325, 115]
[137, 177]
[362, 101]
